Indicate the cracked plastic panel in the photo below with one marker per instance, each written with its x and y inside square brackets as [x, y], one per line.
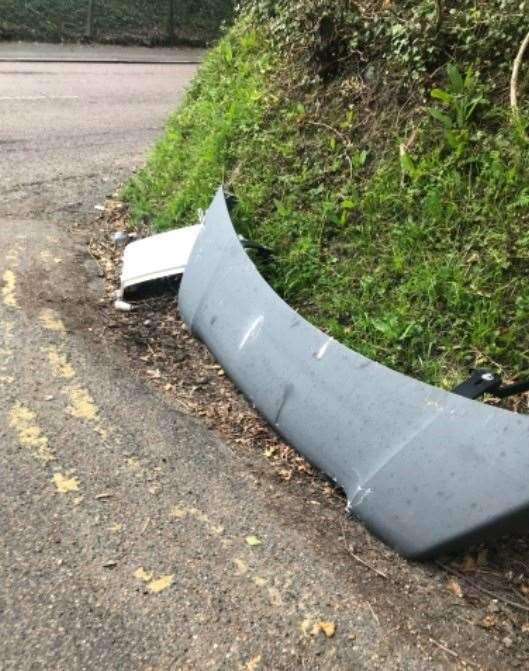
[425, 470]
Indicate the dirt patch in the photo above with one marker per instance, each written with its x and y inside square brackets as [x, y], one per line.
[488, 587]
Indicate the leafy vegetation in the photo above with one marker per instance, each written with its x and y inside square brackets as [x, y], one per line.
[115, 20]
[373, 148]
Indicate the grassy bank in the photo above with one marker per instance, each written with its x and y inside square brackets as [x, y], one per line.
[374, 150]
[120, 21]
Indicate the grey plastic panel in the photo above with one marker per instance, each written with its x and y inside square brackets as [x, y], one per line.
[426, 470]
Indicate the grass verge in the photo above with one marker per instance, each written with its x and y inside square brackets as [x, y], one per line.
[402, 232]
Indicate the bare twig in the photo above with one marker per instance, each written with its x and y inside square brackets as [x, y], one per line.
[367, 565]
[515, 75]
[484, 590]
[320, 124]
[375, 616]
[452, 653]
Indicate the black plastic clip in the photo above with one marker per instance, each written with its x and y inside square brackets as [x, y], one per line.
[483, 381]
[264, 252]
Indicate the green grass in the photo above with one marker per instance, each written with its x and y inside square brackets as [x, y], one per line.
[115, 20]
[418, 259]
[205, 137]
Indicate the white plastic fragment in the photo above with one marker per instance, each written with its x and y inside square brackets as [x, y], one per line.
[160, 256]
[122, 306]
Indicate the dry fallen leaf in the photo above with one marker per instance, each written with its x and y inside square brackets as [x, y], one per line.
[328, 628]
[254, 663]
[64, 484]
[525, 627]
[488, 622]
[142, 574]
[454, 587]
[162, 583]
[253, 541]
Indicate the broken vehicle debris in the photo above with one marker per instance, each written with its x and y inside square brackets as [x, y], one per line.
[426, 470]
[162, 256]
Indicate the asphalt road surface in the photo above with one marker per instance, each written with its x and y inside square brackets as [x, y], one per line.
[66, 52]
[123, 523]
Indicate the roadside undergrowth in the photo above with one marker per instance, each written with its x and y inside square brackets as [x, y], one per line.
[373, 148]
[116, 21]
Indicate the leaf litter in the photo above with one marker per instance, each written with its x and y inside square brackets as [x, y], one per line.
[495, 578]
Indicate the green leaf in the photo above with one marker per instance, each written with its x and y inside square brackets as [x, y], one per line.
[360, 158]
[442, 95]
[228, 53]
[456, 80]
[407, 165]
[252, 541]
[443, 118]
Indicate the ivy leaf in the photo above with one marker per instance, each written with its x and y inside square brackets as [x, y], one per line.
[456, 80]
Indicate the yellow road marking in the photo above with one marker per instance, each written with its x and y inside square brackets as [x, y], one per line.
[82, 405]
[30, 435]
[9, 288]
[64, 484]
[7, 328]
[59, 364]
[51, 321]
[6, 352]
[182, 512]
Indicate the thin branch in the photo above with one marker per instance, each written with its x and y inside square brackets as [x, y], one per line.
[452, 653]
[438, 15]
[320, 124]
[484, 590]
[515, 75]
[367, 565]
